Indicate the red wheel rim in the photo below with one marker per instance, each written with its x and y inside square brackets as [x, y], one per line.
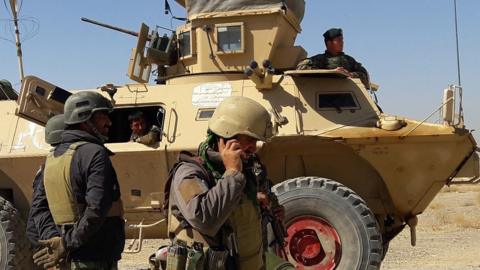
[313, 244]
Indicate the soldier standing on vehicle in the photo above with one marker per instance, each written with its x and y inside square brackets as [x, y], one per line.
[40, 224]
[214, 202]
[82, 190]
[335, 58]
[141, 133]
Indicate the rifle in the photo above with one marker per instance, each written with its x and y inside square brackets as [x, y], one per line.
[265, 185]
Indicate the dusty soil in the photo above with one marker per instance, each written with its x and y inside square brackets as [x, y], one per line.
[448, 234]
[448, 237]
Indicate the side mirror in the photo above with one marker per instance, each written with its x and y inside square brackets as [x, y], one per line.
[448, 109]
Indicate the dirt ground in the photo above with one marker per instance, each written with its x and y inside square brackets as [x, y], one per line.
[448, 237]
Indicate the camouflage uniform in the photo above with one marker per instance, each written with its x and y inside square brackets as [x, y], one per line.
[203, 206]
[151, 137]
[329, 61]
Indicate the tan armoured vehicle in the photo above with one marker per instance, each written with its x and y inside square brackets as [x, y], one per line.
[350, 176]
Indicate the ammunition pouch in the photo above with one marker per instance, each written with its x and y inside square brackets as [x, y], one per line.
[199, 255]
[196, 257]
[218, 259]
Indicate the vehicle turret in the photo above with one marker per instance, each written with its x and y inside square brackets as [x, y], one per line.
[225, 37]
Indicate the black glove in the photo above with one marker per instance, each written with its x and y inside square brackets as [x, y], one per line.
[52, 254]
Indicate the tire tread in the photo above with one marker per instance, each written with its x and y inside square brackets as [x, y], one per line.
[357, 203]
[19, 253]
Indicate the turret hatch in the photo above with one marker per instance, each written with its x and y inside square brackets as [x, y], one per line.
[39, 100]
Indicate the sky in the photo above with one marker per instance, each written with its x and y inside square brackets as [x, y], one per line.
[407, 46]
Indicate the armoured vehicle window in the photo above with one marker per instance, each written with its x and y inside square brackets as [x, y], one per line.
[120, 130]
[336, 101]
[229, 38]
[40, 91]
[204, 114]
[59, 94]
[184, 43]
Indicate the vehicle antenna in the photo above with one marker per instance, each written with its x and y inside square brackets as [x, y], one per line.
[456, 39]
[168, 10]
[14, 7]
[165, 28]
[460, 89]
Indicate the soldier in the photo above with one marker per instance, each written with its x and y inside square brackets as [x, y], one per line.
[335, 58]
[140, 131]
[40, 224]
[82, 190]
[215, 203]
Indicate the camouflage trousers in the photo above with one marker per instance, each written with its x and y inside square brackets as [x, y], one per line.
[90, 265]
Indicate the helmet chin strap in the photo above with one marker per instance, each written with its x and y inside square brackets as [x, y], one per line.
[97, 133]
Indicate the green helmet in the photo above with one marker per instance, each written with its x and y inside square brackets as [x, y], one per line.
[80, 106]
[5, 84]
[54, 128]
[6, 90]
[241, 115]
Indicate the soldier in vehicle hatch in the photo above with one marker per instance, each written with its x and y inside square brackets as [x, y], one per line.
[141, 132]
[215, 203]
[335, 58]
[82, 191]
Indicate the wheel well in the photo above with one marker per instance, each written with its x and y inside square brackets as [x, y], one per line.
[329, 159]
[7, 194]
[14, 193]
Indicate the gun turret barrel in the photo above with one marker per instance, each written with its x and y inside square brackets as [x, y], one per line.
[132, 33]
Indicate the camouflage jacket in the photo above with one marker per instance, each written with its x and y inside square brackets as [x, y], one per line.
[204, 205]
[329, 61]
[151, 137]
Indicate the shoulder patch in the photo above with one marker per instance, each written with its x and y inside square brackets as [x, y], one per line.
[190, 188]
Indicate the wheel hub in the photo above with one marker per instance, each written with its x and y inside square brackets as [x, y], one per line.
[313, 244]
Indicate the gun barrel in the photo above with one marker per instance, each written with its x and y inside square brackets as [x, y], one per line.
[132, 33]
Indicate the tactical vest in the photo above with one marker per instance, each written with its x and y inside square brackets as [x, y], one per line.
[61, 199]
[245, 221]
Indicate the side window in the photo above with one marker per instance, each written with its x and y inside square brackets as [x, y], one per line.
[204, 114]
[230, 38]
[185, 44]
[120, 131]
[337, 101]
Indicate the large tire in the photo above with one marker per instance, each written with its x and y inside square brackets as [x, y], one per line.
[329, 226]
[15, 250]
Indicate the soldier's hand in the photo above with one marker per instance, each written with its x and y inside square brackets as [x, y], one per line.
[279, 212]
[263, 200]
[343, 70]
[52, 254]
[231, 153]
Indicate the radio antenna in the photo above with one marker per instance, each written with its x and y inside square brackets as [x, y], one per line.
[456, 39]
[14, 7]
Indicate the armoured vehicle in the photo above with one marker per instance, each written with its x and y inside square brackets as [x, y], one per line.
[350, 176]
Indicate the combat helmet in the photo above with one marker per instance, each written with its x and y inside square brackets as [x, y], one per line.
[54, 128]
[80, 106]
[241, 115]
